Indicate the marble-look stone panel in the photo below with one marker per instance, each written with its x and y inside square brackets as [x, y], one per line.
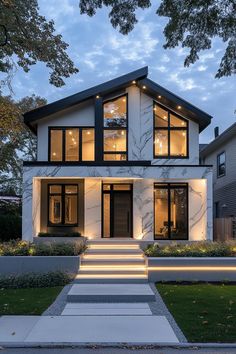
[92, 208]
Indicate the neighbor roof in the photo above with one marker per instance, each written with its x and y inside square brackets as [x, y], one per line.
[220, 140]
[140, 77]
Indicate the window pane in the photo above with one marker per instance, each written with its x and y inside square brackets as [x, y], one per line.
[114, 157]
[106, 215]
[55, 209]
[177, 122]
[161, 142]
[71, 189]
[115, 113]
[222, 158]
[121, 187]
[161, 213]
[56, 145]
[72, 144]
[88, 144]
[178, 143]
[71, 209]
[114, 140]
[178, 212]
[54, 189]
[161, 117]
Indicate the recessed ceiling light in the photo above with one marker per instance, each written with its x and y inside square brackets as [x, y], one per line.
[97, 96]
[179, 107]
[159, 96]
[144, 87]
[133, 82]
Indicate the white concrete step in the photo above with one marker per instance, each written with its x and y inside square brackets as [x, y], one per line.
[110, 262]
[108, 309]
[111, 293]
[109, 279]
[86, 329]
[114, 251]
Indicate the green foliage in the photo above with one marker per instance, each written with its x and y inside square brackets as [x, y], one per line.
[69, 234]
[204, 312]
[195, 249]
[10, 226]
[23, 248]
[192, 24]
[31, 38]
[35, 280]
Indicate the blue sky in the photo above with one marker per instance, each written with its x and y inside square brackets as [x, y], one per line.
[102, 53]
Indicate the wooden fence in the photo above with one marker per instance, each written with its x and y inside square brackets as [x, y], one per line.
[224, 229]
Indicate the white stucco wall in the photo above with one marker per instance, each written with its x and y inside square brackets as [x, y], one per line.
[80, 115]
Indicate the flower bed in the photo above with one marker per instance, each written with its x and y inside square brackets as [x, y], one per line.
[196, 249]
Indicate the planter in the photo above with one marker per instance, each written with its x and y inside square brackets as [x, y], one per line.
[191, 268]
[18, 265]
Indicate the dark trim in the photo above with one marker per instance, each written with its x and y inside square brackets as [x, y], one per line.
[80, 145]
[218, 164]
[98, 103]
[170, 186]
[62, 194]
[169, 129]
[111, 193]
[117, 128]
[171, 100]
[101, 90]
[135, 163]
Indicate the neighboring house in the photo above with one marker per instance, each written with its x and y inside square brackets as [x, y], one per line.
[120, 159]
[221, 153]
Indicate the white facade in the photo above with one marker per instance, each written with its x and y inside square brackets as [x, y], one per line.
[140, 148]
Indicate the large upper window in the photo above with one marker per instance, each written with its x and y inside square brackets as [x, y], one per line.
[221, 165]
[170, 134]
[63, 204]
[171, 211]
[71, 144]
[115, 129]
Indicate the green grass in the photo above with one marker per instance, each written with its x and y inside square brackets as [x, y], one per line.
[204, 312]
[28, 301]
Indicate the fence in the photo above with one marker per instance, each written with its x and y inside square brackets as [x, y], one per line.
[224, 229]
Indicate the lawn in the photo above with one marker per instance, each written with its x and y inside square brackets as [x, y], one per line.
[204, 312]
[29, 301]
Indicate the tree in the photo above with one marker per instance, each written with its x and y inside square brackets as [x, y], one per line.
[17, 142]
[192, 24]
[26, 37]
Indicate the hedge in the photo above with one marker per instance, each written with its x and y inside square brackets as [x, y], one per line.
[10, 227]
[24, 248]
[196, 249]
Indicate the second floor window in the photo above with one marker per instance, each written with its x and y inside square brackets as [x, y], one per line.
[170, 134]
[221, 165]
[71, 144]
[115, 129]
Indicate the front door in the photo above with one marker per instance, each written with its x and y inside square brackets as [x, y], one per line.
[117, 210]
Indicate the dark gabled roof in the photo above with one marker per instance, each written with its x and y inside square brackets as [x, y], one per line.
[140, 77]
[171, 100]
[220, 140]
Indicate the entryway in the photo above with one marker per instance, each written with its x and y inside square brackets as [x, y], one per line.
[117, 210]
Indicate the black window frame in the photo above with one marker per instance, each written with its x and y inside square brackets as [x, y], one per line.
[169, 129]
[220, 164]
[170, 186]
[62, 194]
[116, 128]
[63, 129]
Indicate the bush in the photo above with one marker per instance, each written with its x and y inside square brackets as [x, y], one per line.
[196, 249]
[23, 248]
[10, 227]
[69, 234]
[35, 280]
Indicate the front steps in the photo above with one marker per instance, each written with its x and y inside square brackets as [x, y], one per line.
[109, 261]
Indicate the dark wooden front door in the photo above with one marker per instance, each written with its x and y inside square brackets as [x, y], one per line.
[117, 211]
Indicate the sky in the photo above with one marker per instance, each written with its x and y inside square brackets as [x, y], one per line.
[101, 53]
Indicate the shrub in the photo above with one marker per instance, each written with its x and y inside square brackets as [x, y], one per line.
[196, 249]
[35, 280]
[24, 248]
[10, 227]
[69, 234]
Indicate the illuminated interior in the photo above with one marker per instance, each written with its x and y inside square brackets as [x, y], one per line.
[72, 144]
[56, 145]
[88, 147]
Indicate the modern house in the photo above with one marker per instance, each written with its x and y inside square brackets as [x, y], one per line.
[221, 154]
[119, 160]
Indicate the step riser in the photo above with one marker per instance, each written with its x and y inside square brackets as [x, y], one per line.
[118, 262]
[110, 298]
[111, 281]
[114, 251]
[115, 271]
